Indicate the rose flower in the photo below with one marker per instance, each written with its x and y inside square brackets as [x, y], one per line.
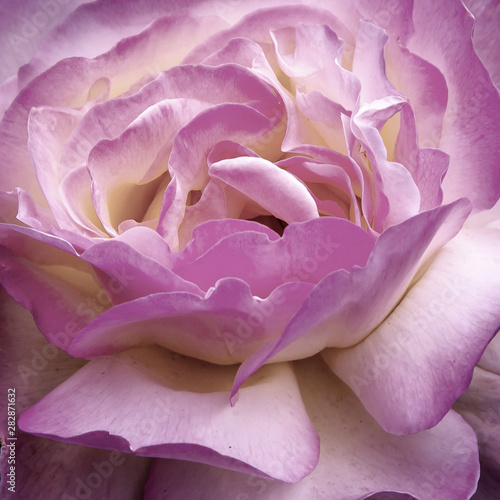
[257, 247]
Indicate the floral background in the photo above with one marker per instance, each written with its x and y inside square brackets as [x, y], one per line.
[250, 249]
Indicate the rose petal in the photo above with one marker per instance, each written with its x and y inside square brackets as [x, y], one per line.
[23, 25]
[479, 406]
[177, 407]
[127, 274]
[486, 35]
[470, 127]
[434, 337]
[358, 301]
[357, 457]
[276, 190]
[490, 359]
[43, 273]
[33, 367]
[224, 327]
[306, 252]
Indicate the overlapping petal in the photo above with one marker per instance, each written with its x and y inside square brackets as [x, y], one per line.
[357, 457]
[442, 325]
[345, 307]
[165, 405]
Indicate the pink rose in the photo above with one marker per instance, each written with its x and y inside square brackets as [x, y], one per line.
[254, 228]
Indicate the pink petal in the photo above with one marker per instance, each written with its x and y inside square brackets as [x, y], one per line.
[346, 306]
[486, 36]
[424, 86]
[127, 274]
[175, 407]
[392, 15]
[490, 359]
[470, 127]
[224, 327]
[48, 129]
[112, 26]
[411, 369]
[44, 275]
[324, 72]
[43, 468]
[258, 24]
[307, 252]
[479, 407]
[276, 190]
[23, 25]
[357, 457]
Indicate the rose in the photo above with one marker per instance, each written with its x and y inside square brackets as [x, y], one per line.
[185, 267]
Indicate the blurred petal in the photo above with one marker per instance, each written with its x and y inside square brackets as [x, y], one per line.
[480, 407]
[33, 367]
[490, 359]
[24, 25]
[486, 36]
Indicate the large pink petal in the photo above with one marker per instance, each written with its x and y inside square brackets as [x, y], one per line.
[157, 403]
[346, 306]
[411, 369]
[44, 468]
[357, 457]
[443, 36]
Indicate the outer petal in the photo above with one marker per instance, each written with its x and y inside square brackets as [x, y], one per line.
[470, 126]
[46, 469]
[490, 359]
[157, 403]
[486, 36]
[357, 457]
[480, 407]
[23, 25]
[411, 369]
[43, 273]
